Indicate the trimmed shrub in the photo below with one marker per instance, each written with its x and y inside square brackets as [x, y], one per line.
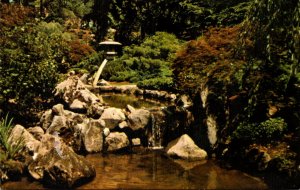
[146, 64]
[265, 132]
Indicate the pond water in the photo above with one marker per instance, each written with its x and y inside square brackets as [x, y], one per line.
[121, 100]
[155, 171]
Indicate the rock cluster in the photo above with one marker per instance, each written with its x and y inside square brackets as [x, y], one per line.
[83, 124]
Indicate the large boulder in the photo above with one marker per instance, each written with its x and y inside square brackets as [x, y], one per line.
[116, 141]
[56, 164]
[139, 119]
[93, 136]
[20, 134]
[112, 117]
[185, 148]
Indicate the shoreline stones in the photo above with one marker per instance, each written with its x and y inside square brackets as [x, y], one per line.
[133, 89]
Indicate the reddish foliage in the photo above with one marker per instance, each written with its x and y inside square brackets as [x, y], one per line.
[211, 58]
[78, 50]
[14, 14]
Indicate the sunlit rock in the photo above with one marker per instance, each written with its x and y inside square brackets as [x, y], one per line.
[58, 109]
[123, 125]
[106, 132]
[112, 117]
[136, 142]
[185, 148]
[78, 105]
[139, 119]
[130, 108]
[116, 141]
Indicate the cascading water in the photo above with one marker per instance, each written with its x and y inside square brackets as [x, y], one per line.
[155, 139]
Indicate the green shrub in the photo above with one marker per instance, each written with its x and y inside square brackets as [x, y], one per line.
[264, 132]
[10, 150]
[144, 63]
[161, 83]
[29, 59]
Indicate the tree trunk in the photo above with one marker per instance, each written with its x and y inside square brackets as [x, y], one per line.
[42, 13]
[100, 16]
[4, 1]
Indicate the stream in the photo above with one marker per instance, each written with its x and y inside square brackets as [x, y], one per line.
[152, 169]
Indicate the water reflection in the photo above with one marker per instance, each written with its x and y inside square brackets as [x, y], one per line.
[121, 100]
[154, 171]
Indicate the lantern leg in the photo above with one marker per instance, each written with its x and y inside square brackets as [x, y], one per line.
[99, 72]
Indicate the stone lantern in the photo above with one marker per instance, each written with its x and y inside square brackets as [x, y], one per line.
[111, 48]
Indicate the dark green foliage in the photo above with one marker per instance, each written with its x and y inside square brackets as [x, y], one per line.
[147, 64]
[229, 14]
[159, 83]
[271, 72]
[59, 10]
[187, 19]
[89, 64]
[29, 57]
[265, 132]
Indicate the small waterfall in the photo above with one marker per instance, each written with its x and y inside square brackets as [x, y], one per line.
[212, 130]
[155, 139]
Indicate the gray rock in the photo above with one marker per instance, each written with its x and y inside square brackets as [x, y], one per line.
[19, 133]
[136, 142]
[78, 105]
[37, 132]
[139, 119]
[86, 96]
[184, 101]
[103, 82]
[112, 117]
[84, 78]
[58, 124]
[95, 110]
[116, 141]
[106, 132]
[58, 109]
[185, 148]
[130, 108]
[93, 136]
[123, 125]
[56, 164]
[46, 119]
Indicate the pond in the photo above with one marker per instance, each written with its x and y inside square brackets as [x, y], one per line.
[151, 169]
[122, 100]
